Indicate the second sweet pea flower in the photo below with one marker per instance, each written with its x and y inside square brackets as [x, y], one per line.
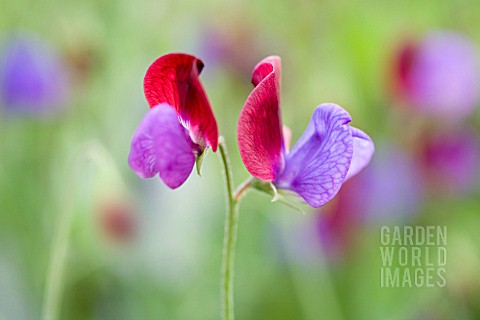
[439, 75]
[328, 153]
[180, 124]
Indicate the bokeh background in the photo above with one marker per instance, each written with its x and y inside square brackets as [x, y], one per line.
[71, 98]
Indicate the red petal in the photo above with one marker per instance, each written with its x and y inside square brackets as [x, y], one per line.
[259, 129]
[173, 78]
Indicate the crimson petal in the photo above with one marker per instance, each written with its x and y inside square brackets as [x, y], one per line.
[259, 128]
[174, 79]
[162, 145]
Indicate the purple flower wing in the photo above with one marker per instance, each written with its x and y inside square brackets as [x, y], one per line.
[318, 164]
[363, 150]
[162, 145]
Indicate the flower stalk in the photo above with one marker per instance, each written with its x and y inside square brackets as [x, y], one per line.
[230, 235]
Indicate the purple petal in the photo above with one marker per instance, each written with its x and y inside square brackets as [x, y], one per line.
[317, 165]
[363, 150]
[162, 145]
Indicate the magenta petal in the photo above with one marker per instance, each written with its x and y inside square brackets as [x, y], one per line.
[162, 145]
[259, 127]
[318, 164]
[363, 150]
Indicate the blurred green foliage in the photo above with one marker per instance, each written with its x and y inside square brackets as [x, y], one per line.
[332, 51]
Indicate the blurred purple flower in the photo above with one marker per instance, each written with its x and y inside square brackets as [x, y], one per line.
[389, 190]
[393, 187]
[230, 47]
[33, 78]
[451, 160]
[439, 75]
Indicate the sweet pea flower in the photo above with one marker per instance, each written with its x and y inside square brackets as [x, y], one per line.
[33, 77]
[328, 153]
[180, 124]
[439, 75]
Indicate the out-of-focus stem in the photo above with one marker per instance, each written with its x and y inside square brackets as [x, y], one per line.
[57, 262]
[94, 152]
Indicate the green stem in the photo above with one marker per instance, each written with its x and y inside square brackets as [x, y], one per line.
[242, 189]
[57, 266]
[53, 288]
[94, 152]
[230, 235]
